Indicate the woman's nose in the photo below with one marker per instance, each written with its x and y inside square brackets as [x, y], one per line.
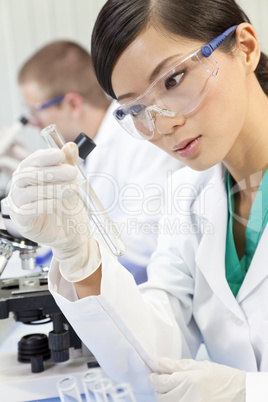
[167, 125]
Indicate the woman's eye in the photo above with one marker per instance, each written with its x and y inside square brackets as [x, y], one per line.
[174, 80]
[136, 110]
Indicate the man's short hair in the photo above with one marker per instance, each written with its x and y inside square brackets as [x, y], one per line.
[60, 67]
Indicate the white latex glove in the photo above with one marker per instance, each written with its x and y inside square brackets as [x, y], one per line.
[44, 204]
[195, 381]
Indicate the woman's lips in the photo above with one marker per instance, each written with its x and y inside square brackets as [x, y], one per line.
[188, 148]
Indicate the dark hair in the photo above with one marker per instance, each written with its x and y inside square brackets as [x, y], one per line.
[121, 21]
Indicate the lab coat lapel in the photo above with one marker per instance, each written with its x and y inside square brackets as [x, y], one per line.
[258, 269]
[210, 258]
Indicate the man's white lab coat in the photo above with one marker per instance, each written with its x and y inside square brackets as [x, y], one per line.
[187, 299]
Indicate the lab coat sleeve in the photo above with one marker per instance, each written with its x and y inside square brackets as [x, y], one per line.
[125, 327]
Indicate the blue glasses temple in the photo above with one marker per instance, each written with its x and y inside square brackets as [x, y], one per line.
[51, 102]
[215, 43]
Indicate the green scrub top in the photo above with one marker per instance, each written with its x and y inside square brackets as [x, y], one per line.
[236, 269]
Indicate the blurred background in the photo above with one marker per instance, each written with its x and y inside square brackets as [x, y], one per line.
[26, 25]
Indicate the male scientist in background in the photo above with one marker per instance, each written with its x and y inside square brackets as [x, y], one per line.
[59, 86]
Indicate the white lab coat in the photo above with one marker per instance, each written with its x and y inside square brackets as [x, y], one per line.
[187, 299]
[129, 176]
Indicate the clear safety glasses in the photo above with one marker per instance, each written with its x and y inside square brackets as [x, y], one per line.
[177, 92]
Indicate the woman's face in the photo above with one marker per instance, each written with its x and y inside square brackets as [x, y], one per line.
[205, 136]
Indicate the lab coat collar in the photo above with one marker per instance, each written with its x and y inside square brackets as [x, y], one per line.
[212, 193]
[212, 245]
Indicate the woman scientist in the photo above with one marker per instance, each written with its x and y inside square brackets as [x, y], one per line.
[190, 78]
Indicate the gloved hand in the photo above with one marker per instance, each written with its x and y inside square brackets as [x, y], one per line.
[44, 204]
[195, 381]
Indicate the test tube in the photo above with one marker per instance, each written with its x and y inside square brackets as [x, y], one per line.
[109, 235]
[103, 389]
[68, 390]
[122, 393]
[89, 379]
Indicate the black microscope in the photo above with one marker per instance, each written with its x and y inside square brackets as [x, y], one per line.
[29, 299]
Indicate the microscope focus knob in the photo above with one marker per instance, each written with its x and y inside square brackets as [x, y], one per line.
[59, 340]
[33, 348]
[59, 344]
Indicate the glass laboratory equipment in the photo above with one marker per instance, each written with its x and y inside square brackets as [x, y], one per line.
[103, 389]
[89, 379]
[122, 393]
[106, 232]
[68, 390]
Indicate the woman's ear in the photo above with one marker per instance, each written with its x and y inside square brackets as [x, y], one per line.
[248, 46]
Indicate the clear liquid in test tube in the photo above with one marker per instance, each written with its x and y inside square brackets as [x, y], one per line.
[109, 235]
